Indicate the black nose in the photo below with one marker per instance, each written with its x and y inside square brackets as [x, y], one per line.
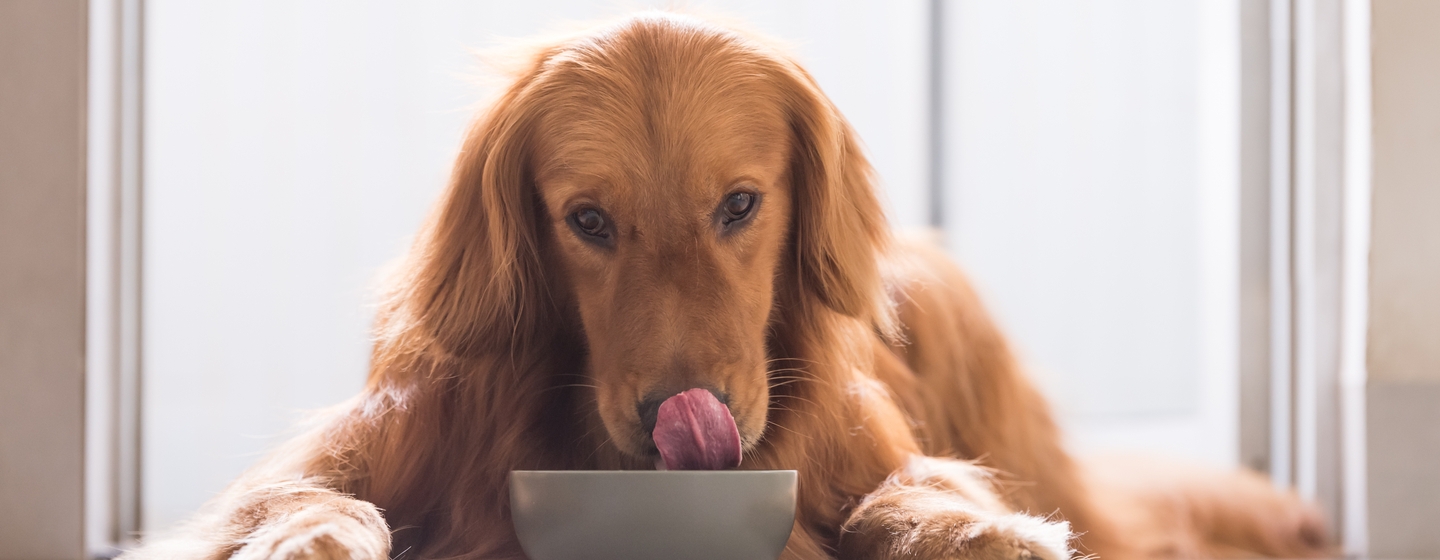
[649, 408]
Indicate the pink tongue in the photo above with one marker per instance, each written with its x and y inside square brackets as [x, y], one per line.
[694, 431]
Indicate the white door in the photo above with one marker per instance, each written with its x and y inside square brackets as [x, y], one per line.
[1091, 188]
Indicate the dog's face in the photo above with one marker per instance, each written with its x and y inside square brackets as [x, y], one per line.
[686, 195]
[665, 184]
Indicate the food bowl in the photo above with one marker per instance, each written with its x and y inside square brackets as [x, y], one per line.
[572, 515]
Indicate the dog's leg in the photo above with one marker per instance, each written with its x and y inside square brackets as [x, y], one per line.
[956, 375]
[944, 508]
[281, 522]
[315, 524]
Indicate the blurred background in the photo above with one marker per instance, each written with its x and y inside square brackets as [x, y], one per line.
[1206, 224]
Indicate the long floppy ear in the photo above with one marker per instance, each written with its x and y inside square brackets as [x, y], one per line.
[840, 230]
[474, 280]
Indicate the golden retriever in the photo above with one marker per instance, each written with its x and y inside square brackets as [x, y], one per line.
[660, 205]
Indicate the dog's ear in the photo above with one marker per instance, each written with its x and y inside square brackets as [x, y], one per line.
[840, 230]
[474, 280]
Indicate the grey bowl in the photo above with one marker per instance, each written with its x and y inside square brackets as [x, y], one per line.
[701, 515]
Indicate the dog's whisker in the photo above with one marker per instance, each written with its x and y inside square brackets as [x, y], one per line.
[774, 360]
[797, 434]
[785, 383]
[597, 450]
[569, 386]
[798, 398]
[777, 407]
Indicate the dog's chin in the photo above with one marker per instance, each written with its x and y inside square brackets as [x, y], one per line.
[641, 453]
[652, 461]
[625, 437]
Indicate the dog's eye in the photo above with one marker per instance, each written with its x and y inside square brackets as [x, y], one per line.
[589, 221]
[737, 206]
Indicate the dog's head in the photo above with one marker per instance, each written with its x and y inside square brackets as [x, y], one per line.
[680, 191]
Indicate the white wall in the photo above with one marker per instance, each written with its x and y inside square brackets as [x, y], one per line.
[292, 147]
[1092, 191]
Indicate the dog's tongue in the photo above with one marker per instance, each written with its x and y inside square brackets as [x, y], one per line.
[694, 431]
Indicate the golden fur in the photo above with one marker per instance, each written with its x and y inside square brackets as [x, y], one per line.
[510, 340]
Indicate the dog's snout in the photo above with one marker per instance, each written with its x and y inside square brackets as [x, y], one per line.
[649, 411]
[649, 408]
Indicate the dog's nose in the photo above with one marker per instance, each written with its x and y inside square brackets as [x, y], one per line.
[649, 409]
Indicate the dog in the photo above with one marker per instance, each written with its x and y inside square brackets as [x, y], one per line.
[660, 214]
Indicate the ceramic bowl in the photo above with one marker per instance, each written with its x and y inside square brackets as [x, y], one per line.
[699, 515]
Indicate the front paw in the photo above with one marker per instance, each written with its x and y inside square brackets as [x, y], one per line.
[319, 534]
[1012, 537]
[957, 534]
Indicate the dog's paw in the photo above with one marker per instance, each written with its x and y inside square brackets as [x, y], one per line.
[959, 535]
[319, 535]
[1013, 537]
